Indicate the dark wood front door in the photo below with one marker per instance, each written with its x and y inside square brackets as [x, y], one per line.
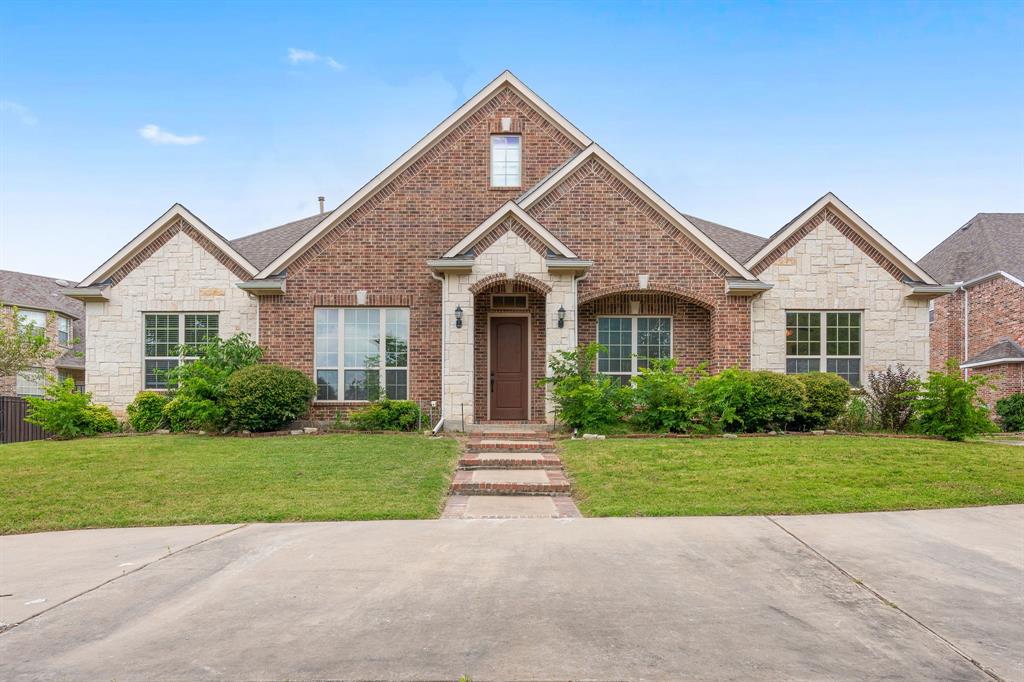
[510, 373]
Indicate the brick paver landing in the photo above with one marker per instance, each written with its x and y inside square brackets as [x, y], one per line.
[512, 474]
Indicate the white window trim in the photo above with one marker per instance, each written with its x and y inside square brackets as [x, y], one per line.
[70, 334]
[181, 340]
[490, 161]
[634, 369]
[341, 367]
[823, 356]
[24, 313]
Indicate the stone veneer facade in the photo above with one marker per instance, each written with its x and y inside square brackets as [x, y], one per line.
[178, 276]
[825, 270]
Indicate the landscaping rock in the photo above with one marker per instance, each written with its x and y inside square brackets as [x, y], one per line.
[729, 435]
[162, 431]
[593, 436]
[830, 431]
[818, 433]
[310, 429]
[296, 432]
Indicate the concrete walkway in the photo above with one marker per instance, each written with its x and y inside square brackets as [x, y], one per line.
[907, 595]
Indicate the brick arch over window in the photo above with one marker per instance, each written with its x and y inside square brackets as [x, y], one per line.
[693, 319]
[662, 289]
[493, 280]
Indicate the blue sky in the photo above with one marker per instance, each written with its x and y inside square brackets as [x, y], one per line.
[741, 113]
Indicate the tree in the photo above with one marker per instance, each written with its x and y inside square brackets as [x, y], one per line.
[23, 346]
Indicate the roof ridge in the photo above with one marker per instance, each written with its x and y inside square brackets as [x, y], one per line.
[277, 227]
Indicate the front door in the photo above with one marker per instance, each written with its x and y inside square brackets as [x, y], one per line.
[510, 371]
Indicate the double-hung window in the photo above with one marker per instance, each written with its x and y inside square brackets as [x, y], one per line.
[631, 343]
[63, 330]
[361, 353]
[172, 338]
[33, 319]
[824, 341]
[30, 382]
[506, 160]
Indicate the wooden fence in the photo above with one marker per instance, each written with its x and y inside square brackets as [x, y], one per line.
[13, 427]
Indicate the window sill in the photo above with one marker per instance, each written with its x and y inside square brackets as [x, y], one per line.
[517, 188]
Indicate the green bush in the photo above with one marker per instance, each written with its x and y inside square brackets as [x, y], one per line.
[740, 400]
[68, 414]
[949, 406]
[197, 388]
[666, 400]
[855, 418]
[1011, 412]
[583, 399]
[388, 415]
[146, 412]
[827, 397]
[266, 397]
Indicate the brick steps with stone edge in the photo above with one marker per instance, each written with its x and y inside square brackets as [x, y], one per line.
[510, 482]
[504, 445]
[510, 460]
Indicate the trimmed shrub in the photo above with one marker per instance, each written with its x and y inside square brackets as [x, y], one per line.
[146, 412]
[827, 397]
[949, 406]
[266, 397]
[855, 418]
[388, 415]
[583, 399]
[666, 400]
[1011, 412]
[67, 413]
[198, 387]
[890, 397]
[741, 400]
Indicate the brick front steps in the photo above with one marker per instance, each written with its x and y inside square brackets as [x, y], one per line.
[511, 472]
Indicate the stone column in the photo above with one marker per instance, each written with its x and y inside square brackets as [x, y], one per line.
[457, 401]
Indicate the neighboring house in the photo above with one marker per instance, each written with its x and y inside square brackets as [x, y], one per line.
[504, 236]
[42, 304]
[981, 324]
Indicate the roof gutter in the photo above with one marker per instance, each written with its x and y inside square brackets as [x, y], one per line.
[86, 294]
[992, 275]
[925, 292]
[986, 363]
[263, 287]
[737, 286]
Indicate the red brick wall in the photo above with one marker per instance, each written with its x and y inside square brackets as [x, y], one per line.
[538, 344]
[384, 246]
[600, 218]
[1005, 379]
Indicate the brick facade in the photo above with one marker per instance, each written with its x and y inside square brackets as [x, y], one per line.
[995, 311]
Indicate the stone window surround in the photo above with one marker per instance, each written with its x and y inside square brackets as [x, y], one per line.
[823, 355]
[341, 367]
[634, 365]
[181, 341]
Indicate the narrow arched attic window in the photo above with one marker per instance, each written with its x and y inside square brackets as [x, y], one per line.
[506, 160]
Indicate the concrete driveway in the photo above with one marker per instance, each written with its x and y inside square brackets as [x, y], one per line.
[907, 595]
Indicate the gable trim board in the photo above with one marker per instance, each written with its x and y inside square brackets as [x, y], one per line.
[509, 209]
[986, 278]
[155, 231]
[506, 79]
[595, 151]
[863, 229]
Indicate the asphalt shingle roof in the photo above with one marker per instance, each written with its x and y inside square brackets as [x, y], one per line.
[738, 244]
[989, 242]
[263, 247]
[43, 293]
[1005, 349]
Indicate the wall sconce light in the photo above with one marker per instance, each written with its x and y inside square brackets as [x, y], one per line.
[458, 317]
[561, 316]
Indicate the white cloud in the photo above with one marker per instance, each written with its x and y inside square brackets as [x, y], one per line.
[157, 135]
[297, 56]
[19, 111]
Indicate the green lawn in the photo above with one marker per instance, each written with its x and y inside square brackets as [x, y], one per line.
[166, 480]
[788, 475]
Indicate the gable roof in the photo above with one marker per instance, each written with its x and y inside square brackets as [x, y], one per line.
[260, 248]
[1006, 350]
[153, 231]
[594, 151]
[858, 224]
[510, 208]
[38, 292]
[988, 243]
[506, 79]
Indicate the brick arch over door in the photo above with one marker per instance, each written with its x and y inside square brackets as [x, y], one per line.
[692, 336]
[482, 309]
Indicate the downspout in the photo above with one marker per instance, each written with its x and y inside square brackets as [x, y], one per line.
[967, 310]
[444, 343]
